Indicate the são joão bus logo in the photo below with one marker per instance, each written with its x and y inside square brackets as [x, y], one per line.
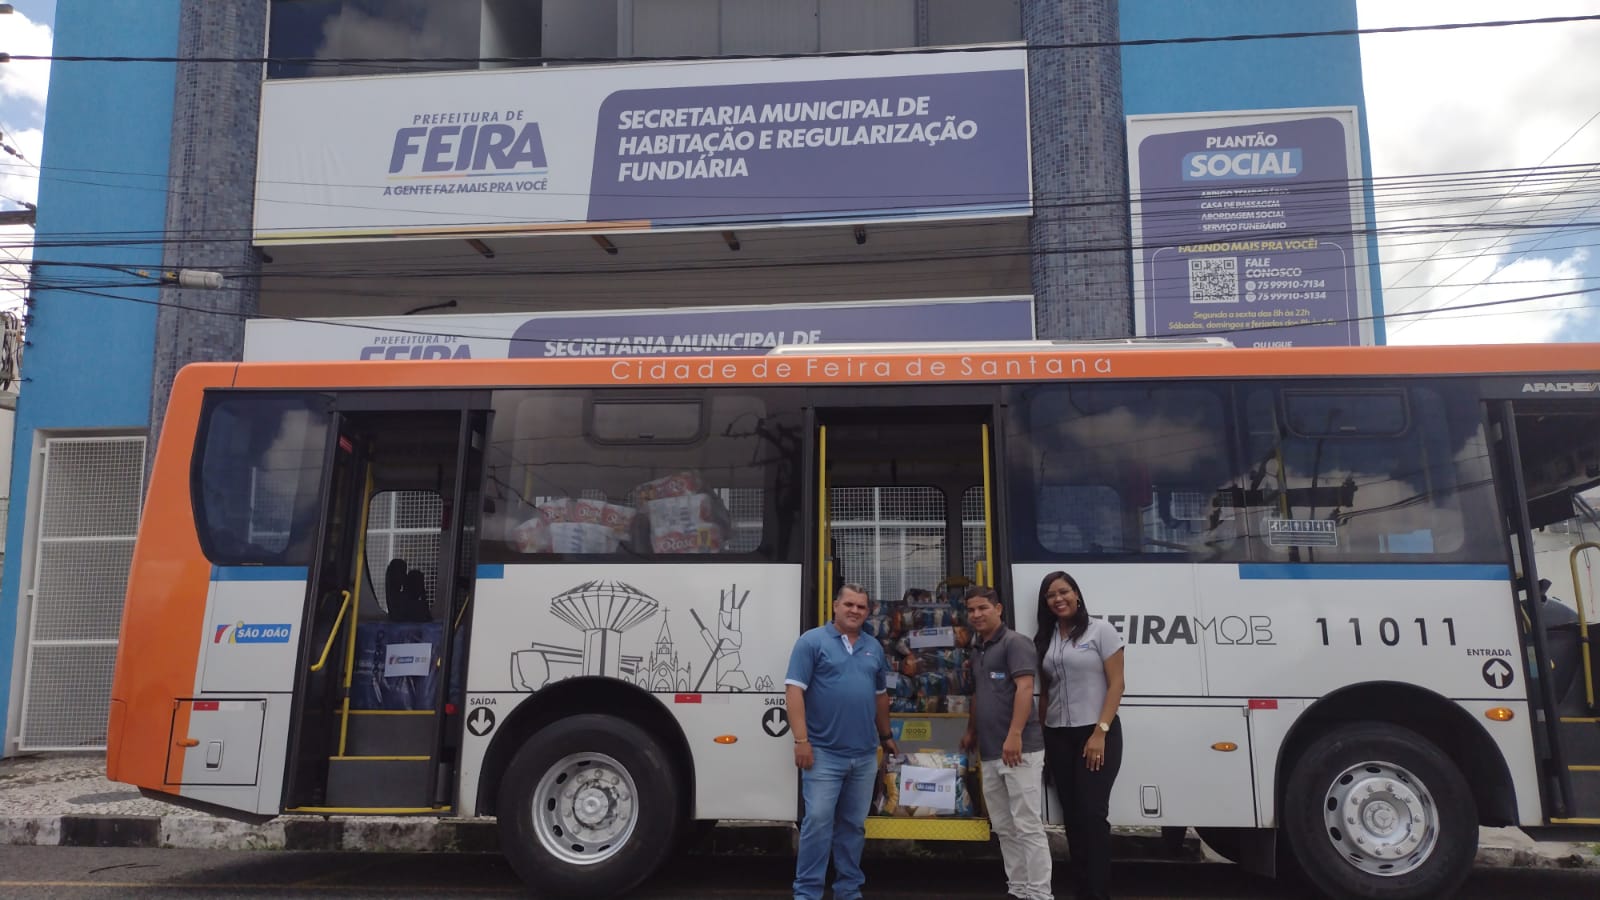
[246, 633]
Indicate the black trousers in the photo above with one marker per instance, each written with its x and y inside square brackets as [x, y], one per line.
[1086, 799]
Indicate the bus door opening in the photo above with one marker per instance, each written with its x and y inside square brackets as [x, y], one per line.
[905, 497]
[377, 723]
[1550, 448]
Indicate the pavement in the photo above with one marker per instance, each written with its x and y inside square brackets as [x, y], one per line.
[64, 799]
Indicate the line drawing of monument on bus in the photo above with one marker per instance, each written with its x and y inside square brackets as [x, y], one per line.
[603, 611]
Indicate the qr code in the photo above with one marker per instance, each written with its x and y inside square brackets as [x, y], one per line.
[1214, 279]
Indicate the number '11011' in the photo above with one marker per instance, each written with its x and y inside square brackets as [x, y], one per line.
[1389, 631]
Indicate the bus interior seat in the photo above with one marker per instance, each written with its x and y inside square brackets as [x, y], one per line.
[406, 591]
[410, 621]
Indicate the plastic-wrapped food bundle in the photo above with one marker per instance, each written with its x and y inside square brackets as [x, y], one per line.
[582, 537]
[680, 484]
[928, 784]
[532, 535]
[878, 626]
[614, 516]
[688, 523]
[926, 639]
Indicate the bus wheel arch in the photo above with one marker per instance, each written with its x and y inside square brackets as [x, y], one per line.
[581, 696]
[1381, 789]
[1444, 723]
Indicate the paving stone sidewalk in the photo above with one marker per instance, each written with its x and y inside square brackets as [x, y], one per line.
[65, 800]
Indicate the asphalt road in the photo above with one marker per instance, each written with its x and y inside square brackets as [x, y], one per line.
[80, 873]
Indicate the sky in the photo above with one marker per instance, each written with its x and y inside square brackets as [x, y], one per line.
[1476, 100]
[22, 94]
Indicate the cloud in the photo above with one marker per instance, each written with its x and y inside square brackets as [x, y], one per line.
[1476, 100]
[1493, 279]
[22, 96]
[18, 181]
[23, 83]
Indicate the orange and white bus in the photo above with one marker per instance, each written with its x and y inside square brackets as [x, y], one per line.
[563, 592]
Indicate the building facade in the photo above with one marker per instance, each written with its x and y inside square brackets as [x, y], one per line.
[495, 159]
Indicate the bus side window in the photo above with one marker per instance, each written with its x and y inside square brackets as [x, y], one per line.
[1364, 474]
[1124, 470]
[258, 473]
[634, 476]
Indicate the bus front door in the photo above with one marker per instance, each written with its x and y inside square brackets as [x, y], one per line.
[376, 725]
[906, 510]
[1548, 455]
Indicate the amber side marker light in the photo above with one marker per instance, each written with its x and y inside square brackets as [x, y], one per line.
[726, 738]
[1499, 714]
[1225, 746]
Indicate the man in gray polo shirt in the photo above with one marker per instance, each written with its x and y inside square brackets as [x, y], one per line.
[1005, 729]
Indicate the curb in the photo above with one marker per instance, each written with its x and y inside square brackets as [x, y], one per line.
[406, 835]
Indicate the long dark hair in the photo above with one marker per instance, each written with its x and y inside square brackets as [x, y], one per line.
[1047, 619]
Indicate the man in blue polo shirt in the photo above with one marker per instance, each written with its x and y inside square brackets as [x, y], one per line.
[839, 711]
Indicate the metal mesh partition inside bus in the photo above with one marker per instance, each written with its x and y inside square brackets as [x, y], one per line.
[888, 539]
[90, 495]
[404, 525]
[972, 513]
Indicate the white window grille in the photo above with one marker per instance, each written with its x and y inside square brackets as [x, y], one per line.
[888, 539]
[404, 525]
[90, 495]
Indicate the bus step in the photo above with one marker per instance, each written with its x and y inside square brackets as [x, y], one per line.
[1580, 740]
[383, 782]
[385, 733]
[1585, 782]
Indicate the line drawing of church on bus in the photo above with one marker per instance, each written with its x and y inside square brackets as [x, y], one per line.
[603, 611]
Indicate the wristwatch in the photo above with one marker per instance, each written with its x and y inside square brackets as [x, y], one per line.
[1104, 726]
[885, 738]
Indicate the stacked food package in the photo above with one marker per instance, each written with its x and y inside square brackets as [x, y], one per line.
[926, 784]
[681, 514]
[925, 637]
[684, 517]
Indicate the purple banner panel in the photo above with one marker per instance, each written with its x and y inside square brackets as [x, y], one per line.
[752, 332]
[1248, 229]
[913, 146]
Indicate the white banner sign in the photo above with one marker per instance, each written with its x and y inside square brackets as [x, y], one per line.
[633, 147]
[402, 660]
[929, 788]
[687, 331]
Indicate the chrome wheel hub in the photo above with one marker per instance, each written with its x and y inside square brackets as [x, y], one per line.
[1381, 818]
[585, 808]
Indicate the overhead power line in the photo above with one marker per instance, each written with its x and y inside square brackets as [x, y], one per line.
[98, 290]
[829, 54]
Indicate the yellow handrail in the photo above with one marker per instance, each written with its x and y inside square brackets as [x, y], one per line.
[824, 564]
[986, 574]
[344, 607]
[361, 565]
[1583, 620]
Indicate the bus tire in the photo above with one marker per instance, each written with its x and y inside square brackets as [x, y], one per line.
[1373, 810]
[588, 807]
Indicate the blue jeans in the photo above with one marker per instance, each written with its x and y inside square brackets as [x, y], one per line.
[837, 792]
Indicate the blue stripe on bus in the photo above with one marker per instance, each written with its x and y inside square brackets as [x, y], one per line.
[258, 573]
[487, 570]
[1374, 571]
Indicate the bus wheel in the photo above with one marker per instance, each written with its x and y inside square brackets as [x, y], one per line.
[588, 808]
[1375, 810]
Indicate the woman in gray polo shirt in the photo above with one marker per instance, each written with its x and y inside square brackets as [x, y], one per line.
[1080, 668]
